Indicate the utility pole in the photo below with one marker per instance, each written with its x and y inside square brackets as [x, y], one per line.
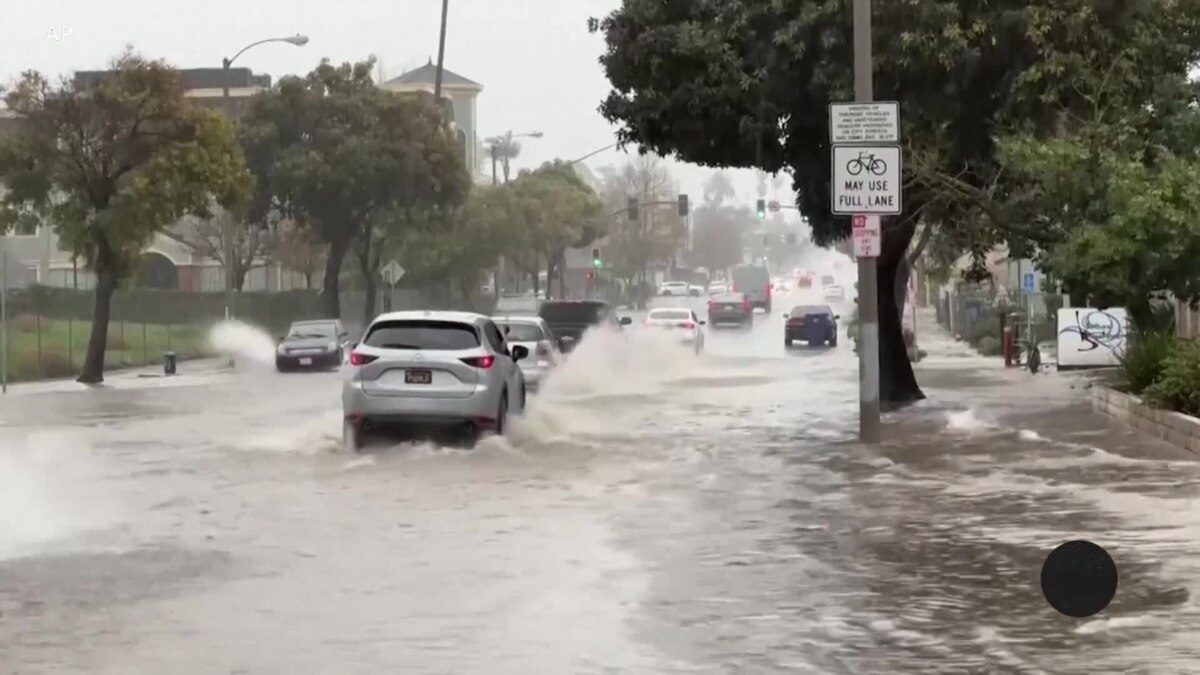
[868, 272]
[437, 79]
[4, 317]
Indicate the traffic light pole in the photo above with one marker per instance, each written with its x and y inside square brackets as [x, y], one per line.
[868, 282]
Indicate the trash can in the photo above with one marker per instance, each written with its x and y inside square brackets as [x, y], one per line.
[169, 363]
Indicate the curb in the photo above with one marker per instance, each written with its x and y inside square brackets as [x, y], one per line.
[1177, 429]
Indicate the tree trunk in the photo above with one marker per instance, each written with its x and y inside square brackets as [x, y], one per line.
[536, 285]
[240, 272]
[897, 383]
[308, 280]
[106, 284]
[903, 273]
[369, 301]
[330, 288]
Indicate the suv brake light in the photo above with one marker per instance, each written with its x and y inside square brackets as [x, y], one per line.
[712, 304]
[745, 304]
[688, 325]
[360, 359]
[483, 362]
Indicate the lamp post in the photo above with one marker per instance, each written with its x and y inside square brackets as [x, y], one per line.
[227, 230]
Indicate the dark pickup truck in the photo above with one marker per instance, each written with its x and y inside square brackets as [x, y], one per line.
[570, 319]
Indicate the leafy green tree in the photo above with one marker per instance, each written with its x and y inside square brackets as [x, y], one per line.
[747, 84]
[417, 171]
[561, 211]
[112, 163]
[312, 140]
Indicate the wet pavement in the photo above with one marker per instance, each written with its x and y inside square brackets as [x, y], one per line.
[653, 513]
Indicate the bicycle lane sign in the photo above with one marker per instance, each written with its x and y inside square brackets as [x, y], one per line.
[866, 179]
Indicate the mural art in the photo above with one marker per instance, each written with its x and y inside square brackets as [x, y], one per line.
[1091, 338]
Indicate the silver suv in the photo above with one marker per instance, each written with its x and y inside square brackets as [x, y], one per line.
[424, 369]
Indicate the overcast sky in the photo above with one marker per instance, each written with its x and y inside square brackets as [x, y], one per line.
[535, 58]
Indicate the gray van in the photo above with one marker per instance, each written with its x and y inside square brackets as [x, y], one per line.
[755, 282]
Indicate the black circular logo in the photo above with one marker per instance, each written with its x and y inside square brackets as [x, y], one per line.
[1079, 579]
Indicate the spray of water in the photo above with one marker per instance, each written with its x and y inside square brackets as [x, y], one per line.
[244, 342]
[49, 491]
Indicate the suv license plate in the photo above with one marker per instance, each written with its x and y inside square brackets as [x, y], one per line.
[418, 377]
[306, 361]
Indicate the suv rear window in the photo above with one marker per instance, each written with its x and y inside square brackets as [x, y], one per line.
[809, 310]
[670, 315]
[729, 297]
[573, 312]
[521, 331]
[425, 335]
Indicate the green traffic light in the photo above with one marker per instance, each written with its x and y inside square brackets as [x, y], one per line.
[595, 262]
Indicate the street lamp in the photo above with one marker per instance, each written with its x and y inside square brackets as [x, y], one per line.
[610, 146]
[299, 41]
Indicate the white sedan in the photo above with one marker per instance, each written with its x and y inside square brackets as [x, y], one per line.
[678, 321]
[674, 288]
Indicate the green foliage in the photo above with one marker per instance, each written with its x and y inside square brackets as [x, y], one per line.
[111, 163]
[1145, 358]
[1178, 385]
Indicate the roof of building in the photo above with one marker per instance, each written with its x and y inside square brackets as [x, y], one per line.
[427, 74]
[194, 78]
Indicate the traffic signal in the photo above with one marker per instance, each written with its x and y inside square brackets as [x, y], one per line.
[633, 208]
[590, 275]
[595, 258]
[761, 209]
[683, 206]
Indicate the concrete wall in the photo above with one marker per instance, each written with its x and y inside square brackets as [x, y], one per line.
[1175, 428]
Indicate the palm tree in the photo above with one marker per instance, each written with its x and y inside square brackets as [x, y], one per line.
[503, 149]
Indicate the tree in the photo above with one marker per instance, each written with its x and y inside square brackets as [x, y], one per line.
[658, 230]
[299, 249]
[719, 227]
[311, 139]
[503, 149]
[206, 237]
[112, 163]
[731, 83]
[412, 165]
[561, 209]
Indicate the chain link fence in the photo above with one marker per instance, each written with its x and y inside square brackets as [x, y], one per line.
[978, 315]
[48, 328]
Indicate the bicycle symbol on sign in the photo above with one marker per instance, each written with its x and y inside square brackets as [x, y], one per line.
[866, 161]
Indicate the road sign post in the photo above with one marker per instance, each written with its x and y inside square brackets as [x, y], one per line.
[866, 184]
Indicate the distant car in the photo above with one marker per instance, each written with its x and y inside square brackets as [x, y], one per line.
[570, 319]
[827, 280]
[718, 289]
[683, 322]
[804, 280]
[755, 282]
[781, 287]
[730, 308]
[674, 288]
[695, 291]
[815, 325]
[424, 369]
[312, 344]
[835, 292]
[532, 333]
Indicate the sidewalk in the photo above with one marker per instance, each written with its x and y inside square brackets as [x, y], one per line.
[195, 371]
[968, 391]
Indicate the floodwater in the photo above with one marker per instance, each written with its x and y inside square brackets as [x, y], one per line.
[654, 512]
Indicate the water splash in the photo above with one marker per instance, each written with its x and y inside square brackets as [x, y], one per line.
[48, 492]
[965, 420]
[244, 342]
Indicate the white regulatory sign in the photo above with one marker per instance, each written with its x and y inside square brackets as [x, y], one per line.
[877, 122]
[867, 236]
[866, 179]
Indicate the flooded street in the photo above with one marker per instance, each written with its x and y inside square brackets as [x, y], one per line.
[654, 512]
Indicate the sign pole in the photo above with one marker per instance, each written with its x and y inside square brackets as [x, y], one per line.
[4, 317]
[868, 289]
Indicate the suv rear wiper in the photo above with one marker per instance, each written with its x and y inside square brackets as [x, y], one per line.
[399, 346]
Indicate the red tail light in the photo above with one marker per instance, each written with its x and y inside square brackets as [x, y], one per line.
[712, 304]
[360, 359]
[484, 362]
[689, 325]
[768, 291]
[745, 305]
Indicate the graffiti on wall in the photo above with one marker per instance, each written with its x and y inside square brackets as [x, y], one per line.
[1091, 337]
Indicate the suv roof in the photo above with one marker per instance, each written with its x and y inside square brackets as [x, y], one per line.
[430, 315]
